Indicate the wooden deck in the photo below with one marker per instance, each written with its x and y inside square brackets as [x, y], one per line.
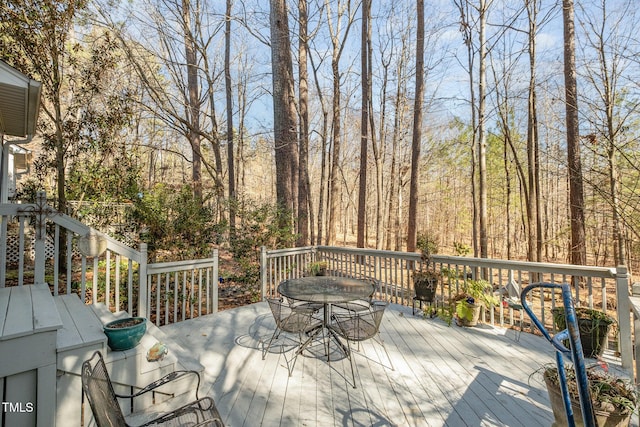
[443, 376]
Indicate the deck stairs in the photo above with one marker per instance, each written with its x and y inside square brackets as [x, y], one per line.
[82, 335]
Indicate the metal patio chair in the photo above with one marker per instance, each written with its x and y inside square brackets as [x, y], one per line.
[97, 387]
[360, 304]
[360, 326]
[292, 319]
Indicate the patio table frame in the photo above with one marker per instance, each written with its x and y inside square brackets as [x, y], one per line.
[326, 290]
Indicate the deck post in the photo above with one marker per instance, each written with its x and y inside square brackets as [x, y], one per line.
[142, 281]
[40, 237]
[216, 281]
[263, 271]
[624, 317]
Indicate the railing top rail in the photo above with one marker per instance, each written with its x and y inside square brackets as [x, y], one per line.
[113, 245]
[537, 267]
[372, 252]
[289, 251]
[173, 266]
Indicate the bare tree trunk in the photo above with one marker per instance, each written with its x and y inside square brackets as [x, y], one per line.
[465, 25]
[284, 113]
[324, 151]
[364, 123]
[304, 201]
[534, 209]
[576, 193]
[193, 103]
[336, 52]
[482, 138]
[230, 154]
[417, 131]
[394, 201]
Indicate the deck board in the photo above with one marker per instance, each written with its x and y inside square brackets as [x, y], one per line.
[443, 376]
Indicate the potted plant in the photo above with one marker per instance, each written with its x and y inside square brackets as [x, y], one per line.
[614, 399]
[594, 327]
[475, 295]
[425, 277]
[317, 268]
[126, 333]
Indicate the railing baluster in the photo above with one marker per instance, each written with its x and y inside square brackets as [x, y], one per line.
[21, 239]
[83, 278]
[117, 284]
[107, 280]
[95, 280]
[69, 260]
[130, 287]
[56, 255]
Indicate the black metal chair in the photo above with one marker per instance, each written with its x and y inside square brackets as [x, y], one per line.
[97, 387]
[360, 326]
[292, 319]
[360, 304]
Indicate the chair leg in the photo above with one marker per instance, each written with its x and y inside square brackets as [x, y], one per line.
[521, 326]
[386, 352]
[275, 335]
[350, 357]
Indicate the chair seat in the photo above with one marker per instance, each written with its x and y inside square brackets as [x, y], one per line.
[98, 389]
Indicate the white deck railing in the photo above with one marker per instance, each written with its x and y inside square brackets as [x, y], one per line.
[120, 277]
[601, 288]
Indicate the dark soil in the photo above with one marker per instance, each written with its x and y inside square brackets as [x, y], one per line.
[126, 323]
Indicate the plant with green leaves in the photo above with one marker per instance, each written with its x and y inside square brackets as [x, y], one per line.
[317, 268]
[426, 277]
[475, 295]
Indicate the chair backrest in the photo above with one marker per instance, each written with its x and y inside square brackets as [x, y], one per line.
[97, 386]
[290, 319]
[363, 325]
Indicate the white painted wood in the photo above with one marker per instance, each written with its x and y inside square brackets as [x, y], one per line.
[26, 352]
[19, 318]
[5, 293]
[170, 267]
[46, 394]
[444, 376]
[21, 390]
[45, 314]
[81, 326]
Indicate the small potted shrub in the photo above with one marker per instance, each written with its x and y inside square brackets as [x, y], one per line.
[475, 295]
[425, 277]
[317, 268]
[614, 399]
[594, 327]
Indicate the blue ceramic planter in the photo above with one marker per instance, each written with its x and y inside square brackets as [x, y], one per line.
[123, 334]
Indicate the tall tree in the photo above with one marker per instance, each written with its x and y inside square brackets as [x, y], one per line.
[608, 27]
[338, 38]
[37, 35]
[305, 212]
[365, 61]
[416, 140]
[229, 99]
[533, 144]
[284, 112]
[482, 137]
[576, 192]
[193, 99]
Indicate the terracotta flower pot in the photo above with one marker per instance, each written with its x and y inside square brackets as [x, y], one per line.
[473, 321]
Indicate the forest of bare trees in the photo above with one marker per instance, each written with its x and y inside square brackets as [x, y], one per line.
[494, 128]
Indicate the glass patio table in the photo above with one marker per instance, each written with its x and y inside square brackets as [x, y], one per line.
[326, 290]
